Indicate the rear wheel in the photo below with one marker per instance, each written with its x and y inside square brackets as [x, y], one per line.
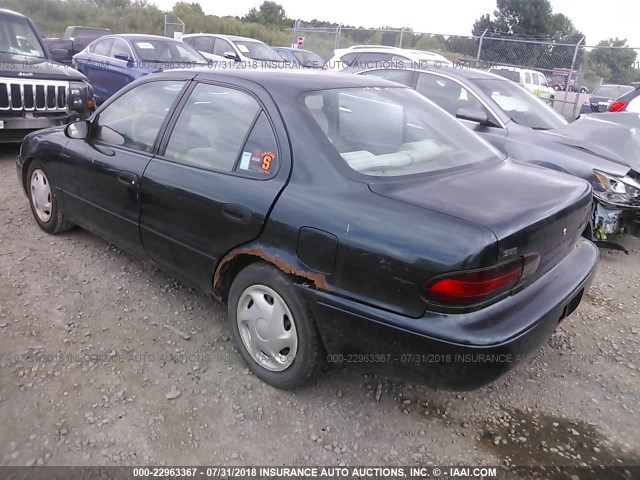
[43, 202]
[272, 327]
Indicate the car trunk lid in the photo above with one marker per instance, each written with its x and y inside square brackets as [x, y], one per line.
[529, 209]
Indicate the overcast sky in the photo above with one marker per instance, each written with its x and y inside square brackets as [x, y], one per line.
[598, 20]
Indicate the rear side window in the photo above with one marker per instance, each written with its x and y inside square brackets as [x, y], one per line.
[134, 119]
[527, 78]
[259, 157]
[213, 128]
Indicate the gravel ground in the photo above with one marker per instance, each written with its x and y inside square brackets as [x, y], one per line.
[87, 365]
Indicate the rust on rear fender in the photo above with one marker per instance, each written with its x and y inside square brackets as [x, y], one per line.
[317, 279]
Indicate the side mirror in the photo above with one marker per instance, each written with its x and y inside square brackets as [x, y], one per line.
[123, 57]
[79, 129]
[231, 56]
[473, 115]
[59, 55]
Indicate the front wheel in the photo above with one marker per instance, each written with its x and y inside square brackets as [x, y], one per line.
[43, 202]
[272, 327]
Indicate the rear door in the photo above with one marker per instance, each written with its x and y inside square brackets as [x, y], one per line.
[218, 172]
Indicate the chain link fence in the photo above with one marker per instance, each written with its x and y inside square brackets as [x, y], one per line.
[571, 71]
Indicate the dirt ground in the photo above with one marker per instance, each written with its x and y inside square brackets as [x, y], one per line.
[86, 362]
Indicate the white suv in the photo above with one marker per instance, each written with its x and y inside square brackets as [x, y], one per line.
[379, 56]
[231, 51]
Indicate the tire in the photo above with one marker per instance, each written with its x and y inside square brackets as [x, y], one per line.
[292, 360]
[43, 202]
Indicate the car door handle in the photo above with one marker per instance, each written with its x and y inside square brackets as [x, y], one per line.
[128, 178]
[237, 213]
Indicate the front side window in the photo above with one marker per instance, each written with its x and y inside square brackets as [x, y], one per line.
[221, 47]
[212, 132]
[103, 47]
[134, 119]
[393, 131]
[203, 44]
[446, 93]
[257, 51]
[521, 106]
[120, 47]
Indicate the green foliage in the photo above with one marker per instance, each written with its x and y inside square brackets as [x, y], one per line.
[528, 20]
[614, 65]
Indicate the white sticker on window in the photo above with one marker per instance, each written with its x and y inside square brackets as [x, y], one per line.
[245, 160]
[145, 45]
[243, 48]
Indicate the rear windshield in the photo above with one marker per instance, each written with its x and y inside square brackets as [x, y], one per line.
[508, 74]
[161, 50]
[308, 59]
[611, 91]
[390, 131]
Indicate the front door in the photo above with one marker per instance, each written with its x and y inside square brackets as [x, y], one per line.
[103, 172]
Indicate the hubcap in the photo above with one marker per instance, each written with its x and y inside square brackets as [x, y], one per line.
[41, 195]
[267, 328]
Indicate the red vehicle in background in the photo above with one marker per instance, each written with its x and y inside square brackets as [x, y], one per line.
[565, 79]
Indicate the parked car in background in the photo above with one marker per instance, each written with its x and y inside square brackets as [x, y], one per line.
[309, 183]
[75, 39]
[35, 91]
[299, 57]
[533, 81]
[605, 154]
[230, 51]
[602, 97]
[559, 80]
[377, 56]
[629, 102]
[114, 61]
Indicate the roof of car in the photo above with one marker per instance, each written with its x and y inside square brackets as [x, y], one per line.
[291, 80]
[235, 38]
[137, 36]
[460, 72]
[4, 11]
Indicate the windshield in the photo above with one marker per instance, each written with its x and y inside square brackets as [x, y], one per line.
[258, 51]
[308, 59]
[18, 37]
[393, 131]
[160, 50]
[611, 91]
[521, 106]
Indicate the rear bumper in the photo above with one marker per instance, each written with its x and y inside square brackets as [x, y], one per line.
[462, 351]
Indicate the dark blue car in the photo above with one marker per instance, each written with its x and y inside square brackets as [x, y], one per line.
[114, 61]
[300, 58]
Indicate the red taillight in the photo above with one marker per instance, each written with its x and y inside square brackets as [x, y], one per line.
[617, 106]
[473, 287]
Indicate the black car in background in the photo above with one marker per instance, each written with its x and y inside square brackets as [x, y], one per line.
[602, 97]
[35, 90]
[604, 153]
[74, 40]
[331, 213]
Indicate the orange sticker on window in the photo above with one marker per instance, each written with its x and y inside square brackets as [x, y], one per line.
[267, 159]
